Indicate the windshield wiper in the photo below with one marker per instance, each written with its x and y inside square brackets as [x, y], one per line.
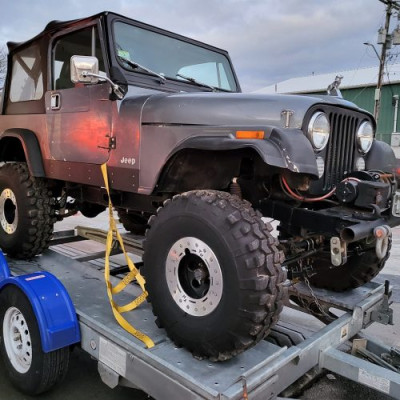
[190, 79]
[136, 65]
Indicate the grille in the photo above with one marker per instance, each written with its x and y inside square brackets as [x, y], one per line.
[341, 148]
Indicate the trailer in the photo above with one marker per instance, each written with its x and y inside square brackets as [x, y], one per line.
[83, 318]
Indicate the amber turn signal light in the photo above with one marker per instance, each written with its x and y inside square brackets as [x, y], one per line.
[249, 134]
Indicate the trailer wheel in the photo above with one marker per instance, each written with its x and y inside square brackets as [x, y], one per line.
[26, 212]
[213, 273]
[30, 369]
[133, 222]
[359, 269]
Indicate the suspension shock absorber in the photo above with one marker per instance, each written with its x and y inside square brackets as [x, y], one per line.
[234, 188]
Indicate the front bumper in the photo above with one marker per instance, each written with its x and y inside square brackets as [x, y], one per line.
[349, 224]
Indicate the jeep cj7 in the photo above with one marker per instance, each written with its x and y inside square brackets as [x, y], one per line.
[195, 165]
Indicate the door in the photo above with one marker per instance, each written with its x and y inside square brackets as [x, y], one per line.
[78, 116]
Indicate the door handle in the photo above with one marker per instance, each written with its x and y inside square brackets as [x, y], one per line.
[55, 101]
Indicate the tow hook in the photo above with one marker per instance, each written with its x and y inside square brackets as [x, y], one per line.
[338, 251]
[382, 234]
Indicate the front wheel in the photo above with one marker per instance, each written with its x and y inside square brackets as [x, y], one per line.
[30, 369]
[213, 273]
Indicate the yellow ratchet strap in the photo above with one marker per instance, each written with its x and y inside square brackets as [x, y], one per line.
[131, 276]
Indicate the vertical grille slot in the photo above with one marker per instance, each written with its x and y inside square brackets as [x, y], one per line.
[340, 152]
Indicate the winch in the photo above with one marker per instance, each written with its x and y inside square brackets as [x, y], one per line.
[365, 189]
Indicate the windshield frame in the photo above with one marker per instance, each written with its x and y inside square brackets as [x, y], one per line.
[142, 79]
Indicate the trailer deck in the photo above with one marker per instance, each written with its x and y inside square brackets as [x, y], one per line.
[166, 371]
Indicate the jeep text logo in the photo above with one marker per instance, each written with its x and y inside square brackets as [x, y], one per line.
[126, 160]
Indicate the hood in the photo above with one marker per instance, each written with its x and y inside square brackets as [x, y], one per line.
[232, 109]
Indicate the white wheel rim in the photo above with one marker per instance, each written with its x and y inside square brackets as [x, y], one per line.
[194, 276]
[17, 340]
[8, 211]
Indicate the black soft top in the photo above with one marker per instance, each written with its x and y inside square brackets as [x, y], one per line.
[54, 26]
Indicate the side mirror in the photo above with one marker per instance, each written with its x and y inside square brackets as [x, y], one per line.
[84, 69]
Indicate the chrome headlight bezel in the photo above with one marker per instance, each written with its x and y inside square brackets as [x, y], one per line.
[318, 130]
[365, 137]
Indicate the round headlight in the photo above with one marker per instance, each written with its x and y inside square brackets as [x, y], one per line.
[318, 130]
[365, 137]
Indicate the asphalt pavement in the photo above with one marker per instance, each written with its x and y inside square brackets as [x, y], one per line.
[83, 381]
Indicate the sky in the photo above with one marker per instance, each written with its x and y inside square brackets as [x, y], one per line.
[268, 40]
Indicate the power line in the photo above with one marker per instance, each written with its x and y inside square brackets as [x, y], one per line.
[392, 4]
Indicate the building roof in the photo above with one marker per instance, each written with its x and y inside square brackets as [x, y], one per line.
[351, 79]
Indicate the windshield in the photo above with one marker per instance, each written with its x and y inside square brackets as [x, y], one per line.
[171, 57]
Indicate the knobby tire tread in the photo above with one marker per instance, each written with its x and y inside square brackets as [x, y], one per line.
[261, 278]
[39, 212]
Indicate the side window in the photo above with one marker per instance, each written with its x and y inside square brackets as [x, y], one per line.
[27, 77]
[78, 43]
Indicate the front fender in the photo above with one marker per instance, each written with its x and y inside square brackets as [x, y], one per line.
[282, 148]
[381, 157]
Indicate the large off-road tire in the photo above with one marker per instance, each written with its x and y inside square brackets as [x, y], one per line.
[30, 369]
[359, 269]
[133, 222]
[26, 212]
[213, 273]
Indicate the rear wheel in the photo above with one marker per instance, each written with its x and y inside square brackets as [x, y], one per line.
[26, 212]
[359, 269]
[213, 273]
[30, 369]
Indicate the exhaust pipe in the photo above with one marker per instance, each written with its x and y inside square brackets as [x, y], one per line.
[359, 231]
[354, 233]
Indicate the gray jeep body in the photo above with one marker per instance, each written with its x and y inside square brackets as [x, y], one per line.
[154, 122]
[171, 136]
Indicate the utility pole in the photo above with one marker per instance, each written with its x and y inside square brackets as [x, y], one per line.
[389, 6]
[385, 38]
[386, 43]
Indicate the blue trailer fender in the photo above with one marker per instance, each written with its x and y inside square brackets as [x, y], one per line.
[51, 303]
